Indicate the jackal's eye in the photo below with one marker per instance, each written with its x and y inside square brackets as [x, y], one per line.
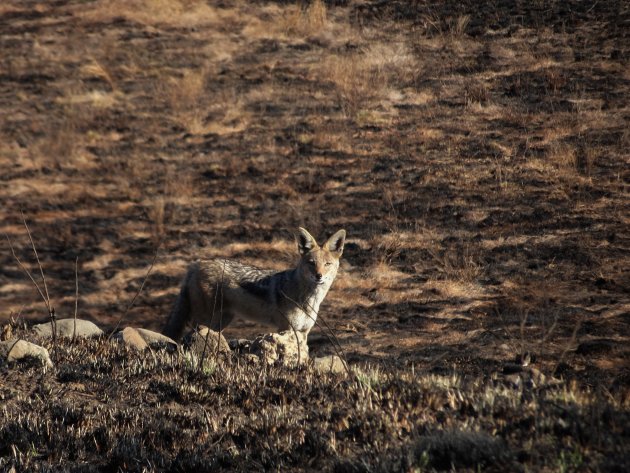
[328, 263]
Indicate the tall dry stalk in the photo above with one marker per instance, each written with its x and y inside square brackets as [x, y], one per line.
[44, 294]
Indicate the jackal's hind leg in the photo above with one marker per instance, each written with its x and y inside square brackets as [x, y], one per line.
[221, 320]
[179, 316]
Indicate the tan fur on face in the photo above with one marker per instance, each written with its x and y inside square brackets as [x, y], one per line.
[320, 263]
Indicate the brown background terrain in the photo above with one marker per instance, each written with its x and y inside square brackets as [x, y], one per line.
[476, 154]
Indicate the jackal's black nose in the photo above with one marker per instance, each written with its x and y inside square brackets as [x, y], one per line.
[319, 276]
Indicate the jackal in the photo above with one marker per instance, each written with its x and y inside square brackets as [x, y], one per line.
[215, 291]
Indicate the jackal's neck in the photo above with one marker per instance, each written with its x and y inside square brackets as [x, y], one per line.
[305, 293]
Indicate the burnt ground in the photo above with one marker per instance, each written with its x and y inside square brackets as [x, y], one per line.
[476, 154]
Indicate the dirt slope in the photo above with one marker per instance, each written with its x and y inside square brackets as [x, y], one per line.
[476, 154]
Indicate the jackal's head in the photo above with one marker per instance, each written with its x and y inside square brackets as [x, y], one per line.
[319, 264]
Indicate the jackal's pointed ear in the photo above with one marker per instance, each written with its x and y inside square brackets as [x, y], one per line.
[335, 242]
[306, 242]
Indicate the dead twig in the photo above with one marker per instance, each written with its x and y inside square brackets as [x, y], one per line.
[216, 356]
[27, 272]
[41, 270]
[219, 286]
[45, 297]
[76, 298]
[144, 281]
[570, 343]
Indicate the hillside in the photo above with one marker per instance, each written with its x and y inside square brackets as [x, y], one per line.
[475, 152]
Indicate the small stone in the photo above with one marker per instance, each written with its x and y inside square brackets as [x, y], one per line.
[157, 340]
[329, 364]
[240, 345]
[141, 339]
[205, 340]
[21, 350]
[65, 328]
[132, 338]
[287, 348]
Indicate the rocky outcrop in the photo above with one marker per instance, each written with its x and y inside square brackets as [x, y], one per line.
[287, 348]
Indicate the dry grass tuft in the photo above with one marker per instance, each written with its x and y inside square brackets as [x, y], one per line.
[446, 28]
[186, 97]
[458, 264]
[304, 22]
[63, 146]
[356, 82]
[96, 70]
[572, 160]
[368, 80]
[156, 212]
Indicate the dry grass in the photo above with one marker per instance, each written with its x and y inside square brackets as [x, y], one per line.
[369, 79]
[186, 98]
[158, 12]
[156, 211]
[356, 84]
[303, 21]
[376, 419]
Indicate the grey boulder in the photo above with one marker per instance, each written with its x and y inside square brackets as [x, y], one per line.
[21, 350]
[66, 327]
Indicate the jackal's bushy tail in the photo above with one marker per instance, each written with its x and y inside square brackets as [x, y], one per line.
[179, 316]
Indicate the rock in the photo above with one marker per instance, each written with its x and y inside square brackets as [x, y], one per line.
[141, 339]
[65, 328]
[21, 350]
[157, 340]
[240, 345]
[132, 338]
[287, 348]
[205, 340]
[329, 364]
